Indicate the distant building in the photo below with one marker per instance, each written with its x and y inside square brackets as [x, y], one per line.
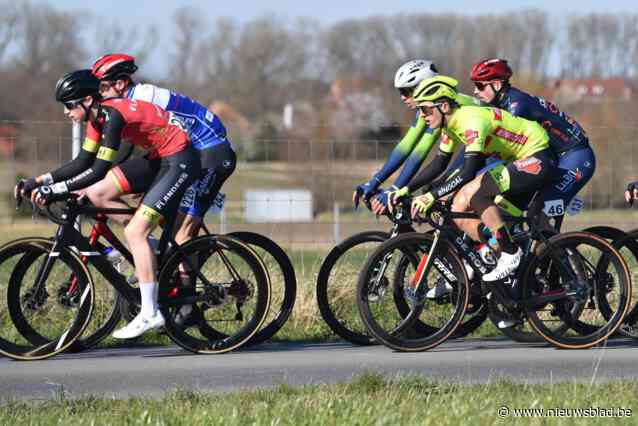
[591, 90]
[8, 134]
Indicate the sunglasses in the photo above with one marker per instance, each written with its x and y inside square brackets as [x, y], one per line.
[105, 85]
[428, 110]
[481, 85]
[406, 91]
[72, 104]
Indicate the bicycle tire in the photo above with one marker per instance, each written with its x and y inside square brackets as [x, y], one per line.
[470, 322]
[90, 337]
[630, 241]
[397, 334]
[213, 344]
[277, 317]
[344, 327]
[35, 346]
[612, 257]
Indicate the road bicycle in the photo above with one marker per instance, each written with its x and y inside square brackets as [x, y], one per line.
[336, 285]
[51, 292]
[552, 288]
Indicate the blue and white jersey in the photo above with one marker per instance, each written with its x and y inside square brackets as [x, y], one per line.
[204, 128]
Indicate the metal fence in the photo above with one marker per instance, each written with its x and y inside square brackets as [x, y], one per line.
[327, 168]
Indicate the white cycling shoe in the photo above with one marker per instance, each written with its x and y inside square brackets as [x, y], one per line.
[139, 326]
[506, 264]
[506, 324]
[442, 287]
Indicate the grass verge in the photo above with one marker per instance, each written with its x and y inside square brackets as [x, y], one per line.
[369, 399]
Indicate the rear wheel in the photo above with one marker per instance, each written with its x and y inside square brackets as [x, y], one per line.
[283, 283]
[231, 294]
[587, 266]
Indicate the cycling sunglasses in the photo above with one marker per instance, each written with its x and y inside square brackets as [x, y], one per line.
[427, 110]
[72, 104]
[481, 85]
[406, 91]
[105, 85]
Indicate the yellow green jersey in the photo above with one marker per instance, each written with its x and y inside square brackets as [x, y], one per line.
[493, 132]
[413, 148]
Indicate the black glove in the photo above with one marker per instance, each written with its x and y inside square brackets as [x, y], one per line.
[23, 188]
[28, 185]
[48, 194]
[631, 187]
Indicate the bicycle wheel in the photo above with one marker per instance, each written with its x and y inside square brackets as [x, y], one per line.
[521, 332]
[628, 248]
[475, 314]
[586, 265]
[377, 305]
[337, 285]
[282, 279]
[40, 315]
[106, 306]
[232, 294]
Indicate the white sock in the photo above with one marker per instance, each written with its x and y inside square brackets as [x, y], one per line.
[149, 299]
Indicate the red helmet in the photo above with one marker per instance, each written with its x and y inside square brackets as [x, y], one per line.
[491, 69]
[113, 66]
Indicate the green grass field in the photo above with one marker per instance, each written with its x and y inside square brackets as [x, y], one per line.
[368, 400]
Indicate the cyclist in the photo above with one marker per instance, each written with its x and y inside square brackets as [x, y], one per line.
[415, 145]
[206, 131]
[109, 121]
[631, 193]
[208, 136]
[576, 159]
[485, 131]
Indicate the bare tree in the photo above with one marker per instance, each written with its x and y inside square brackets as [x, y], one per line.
[185, 62]
[8, 24]
[111, 36]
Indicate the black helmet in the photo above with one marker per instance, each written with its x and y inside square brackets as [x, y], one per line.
[76, 85]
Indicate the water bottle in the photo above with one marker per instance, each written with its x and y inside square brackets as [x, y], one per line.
[114, 256]
[154, 243]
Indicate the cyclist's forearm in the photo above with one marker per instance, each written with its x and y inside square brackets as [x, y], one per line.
[92, 175]
[472, 164]
[398, 155]
[73, 168]
[434, 169]
[416, 159]
[410, 169]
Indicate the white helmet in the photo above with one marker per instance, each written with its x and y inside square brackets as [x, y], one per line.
[413, 72]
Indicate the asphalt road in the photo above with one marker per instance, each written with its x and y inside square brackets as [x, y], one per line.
[153, 371]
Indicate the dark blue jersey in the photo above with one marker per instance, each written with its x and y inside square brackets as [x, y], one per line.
[563, 131]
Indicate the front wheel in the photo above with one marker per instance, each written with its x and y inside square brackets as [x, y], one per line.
[377, 302]
[337, 285]
[42, 313]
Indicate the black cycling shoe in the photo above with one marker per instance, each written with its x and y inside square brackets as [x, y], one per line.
[188, 320]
